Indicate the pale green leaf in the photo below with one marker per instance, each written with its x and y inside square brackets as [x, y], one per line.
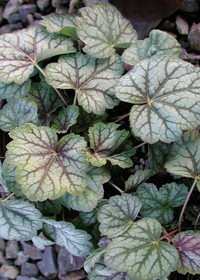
[17, 113]
[166, 94]
[158, 43]
[19, 220]
[41, 242]
[104, 140]
[158, 154]
[93, 258]
[118, 215]
[76, 241]
[21, 50]
[13, 91]
[102, 28]
[61, 23]
[88, 200]
[65, 119]
[92, 79]
[157, 204]
[140, 253]
[138, 178]
[47, 168]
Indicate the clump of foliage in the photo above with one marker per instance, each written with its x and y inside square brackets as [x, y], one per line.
[63, 82]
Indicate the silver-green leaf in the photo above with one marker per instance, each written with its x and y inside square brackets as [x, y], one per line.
[13, 91]
[138, 178]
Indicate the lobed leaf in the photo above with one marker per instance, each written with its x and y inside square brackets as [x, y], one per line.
[12, 91]
[41, 242]
[140, 253]
[93, 258]
[158, 155]
[138, 178]
[165, 91]
[92, 79]
[102, 28]
[47, 168]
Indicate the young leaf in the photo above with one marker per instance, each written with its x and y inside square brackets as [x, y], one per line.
[19, 220]
[188, 246]
[88, 200]
[50, 206]
[158, 43]
[118, 215]
[65, 119]
[17, 113]
[93, 258]
[13, 91]
[140, 253]
[158, 154]
[46, 99]
[138, 178]
[47, 168]
[157, 204]
[186, 161]
[65, 234]
[61, 23]
[103, 28]
[21, 50]
[92, 79]
[41, 242]
[166, 93]
[104, 140]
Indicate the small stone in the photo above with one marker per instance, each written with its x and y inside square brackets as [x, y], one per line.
[56, 3]
[89, 3]
[8, 28]
[11, 8]
[26, 9]
[1, 13]
[9, 271]
[14, 18]
[144, 28]
[2, 244]
[37, 16]
[182, 25]
[2, 258]
[190, 6]
[62, 9]
[167, 25]
[194, 37]
[33, 252]
[12, 249]
[21, 258]
[184, 54]
[43, 4]
[75, 275]
[48, 266]
[25, 278]
[29, 269]
[30, 18]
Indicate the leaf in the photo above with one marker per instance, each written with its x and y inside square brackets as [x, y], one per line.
[140, 253]
[65, 119]
[46, 99]
[76, 241]
[49, 206]
[21, 50]
[103, 28]
[13, 91]
[158, 154]
[157, 204]
[19, 220]
[17, 113]
[61, 23]
[102, 272]
[165, 91]
[188, 245]
[139, 177]
[192, 213]
[93, 258]
[47, 168]
[104, 140]
[158, 43]
[88, 200]
[186, 161]
[92, 79]
[41, 242]
[118, 215]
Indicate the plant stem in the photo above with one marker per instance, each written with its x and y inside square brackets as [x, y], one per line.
[185, 204]
[56, 90]
[75, 97]
[8, 197]
[79, 46]
[170, 233]
[116, 187]
[140, 145]
[122, 117]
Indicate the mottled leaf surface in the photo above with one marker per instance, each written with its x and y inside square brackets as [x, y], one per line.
[13, 91]
[21, 50]
[165, 91]
[157, 204]
[104, 140]
[188, 246]
[17, 113]
[93, 258]
[92, 79]
[41, 242]
[158, 43]
[140, 253]
[19, 220]
[102, 28]
[138, 178]
[158, 155]
[118, 215]
[76, 241]
[88, 200]
[47, 168]
[65, 119]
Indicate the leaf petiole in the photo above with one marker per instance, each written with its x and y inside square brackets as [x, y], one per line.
[116, 187]
[8, 197]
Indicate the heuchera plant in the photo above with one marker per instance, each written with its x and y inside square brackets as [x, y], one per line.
[63, 82]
